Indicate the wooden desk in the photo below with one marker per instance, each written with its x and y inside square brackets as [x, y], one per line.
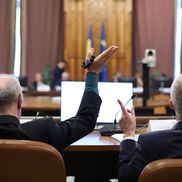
[92, 158]
[95, 157]
[39, 93]
[41, 103]
[95, 142]
[45, 105]
[49, 105]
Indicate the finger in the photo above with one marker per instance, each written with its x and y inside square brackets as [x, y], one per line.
[122, 107]
[89, 55]
[133, 112]
[105, 55]
[109, 52]
[128, 110]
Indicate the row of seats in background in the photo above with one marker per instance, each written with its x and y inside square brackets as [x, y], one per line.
[157, 84]
[39, 85]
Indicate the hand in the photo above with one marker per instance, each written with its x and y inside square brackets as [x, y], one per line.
[127, 121]
[100, 60]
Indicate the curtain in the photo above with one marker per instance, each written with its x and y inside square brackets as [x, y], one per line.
[42, 34]
[7, 28]
[154, 28]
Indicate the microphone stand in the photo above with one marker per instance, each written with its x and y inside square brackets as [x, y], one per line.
[146, 84]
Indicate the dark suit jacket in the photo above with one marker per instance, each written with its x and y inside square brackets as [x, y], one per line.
[57, 75]
[59, 134]
[150, 146]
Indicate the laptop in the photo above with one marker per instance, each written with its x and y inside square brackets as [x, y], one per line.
[72, 91]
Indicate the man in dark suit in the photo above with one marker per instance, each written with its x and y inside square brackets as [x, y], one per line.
[134, 156]
[57, 72]
[46, 130]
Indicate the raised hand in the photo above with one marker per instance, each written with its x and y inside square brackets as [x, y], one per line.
[127, 121]
[100, 60]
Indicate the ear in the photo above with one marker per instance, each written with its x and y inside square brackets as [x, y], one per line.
[19, 101]
[171, 105]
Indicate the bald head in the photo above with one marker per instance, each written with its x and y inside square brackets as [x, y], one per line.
[176, 95]
[10, 90]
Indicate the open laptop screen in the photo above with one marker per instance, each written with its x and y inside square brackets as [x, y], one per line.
[72, 91]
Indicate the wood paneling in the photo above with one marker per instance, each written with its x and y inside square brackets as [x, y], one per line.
[117, 17]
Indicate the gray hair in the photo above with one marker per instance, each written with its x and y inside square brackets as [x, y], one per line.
[9, 89]
[176, 95]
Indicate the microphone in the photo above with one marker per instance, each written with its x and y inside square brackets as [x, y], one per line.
[132, 97]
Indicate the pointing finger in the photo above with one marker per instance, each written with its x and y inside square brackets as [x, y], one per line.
[122, 107]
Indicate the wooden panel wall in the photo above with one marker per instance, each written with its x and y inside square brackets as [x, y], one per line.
[117, 17]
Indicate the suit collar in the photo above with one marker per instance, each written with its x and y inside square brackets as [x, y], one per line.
[9, 119]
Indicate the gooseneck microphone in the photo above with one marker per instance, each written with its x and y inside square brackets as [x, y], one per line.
[109, 130]
[132, 97]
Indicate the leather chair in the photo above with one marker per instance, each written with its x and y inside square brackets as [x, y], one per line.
[164, 170]
[30, 161]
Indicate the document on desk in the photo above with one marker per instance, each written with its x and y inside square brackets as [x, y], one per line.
[24, 120]
[119, 137]
[160, 124]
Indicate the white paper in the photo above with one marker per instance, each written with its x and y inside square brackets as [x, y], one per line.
[160, 124]
[119, 137]
[24, 120]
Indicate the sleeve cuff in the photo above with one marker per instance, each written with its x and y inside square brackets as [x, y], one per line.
[91, 83]
[129, 138]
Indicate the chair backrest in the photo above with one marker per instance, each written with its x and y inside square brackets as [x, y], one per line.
[164, 170]
[30, 161]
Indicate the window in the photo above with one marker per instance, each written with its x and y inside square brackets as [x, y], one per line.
[17, 58]
[178, 37]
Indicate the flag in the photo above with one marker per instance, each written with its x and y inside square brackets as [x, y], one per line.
[90, 42]
[103, 74]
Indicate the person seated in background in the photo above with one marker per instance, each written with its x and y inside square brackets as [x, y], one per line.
[65, 76]
[38, 84]
[57, 72]
[134, 156]
[117, 76]
[59, 134]
[159, 82]
[23, 82]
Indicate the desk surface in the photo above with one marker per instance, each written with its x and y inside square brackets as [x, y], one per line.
[95, 142]
[45, 93]
[92, 142]
[41, 103]
[51, 105]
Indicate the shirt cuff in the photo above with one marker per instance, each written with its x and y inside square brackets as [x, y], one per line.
[129, 138]
[91, 83]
